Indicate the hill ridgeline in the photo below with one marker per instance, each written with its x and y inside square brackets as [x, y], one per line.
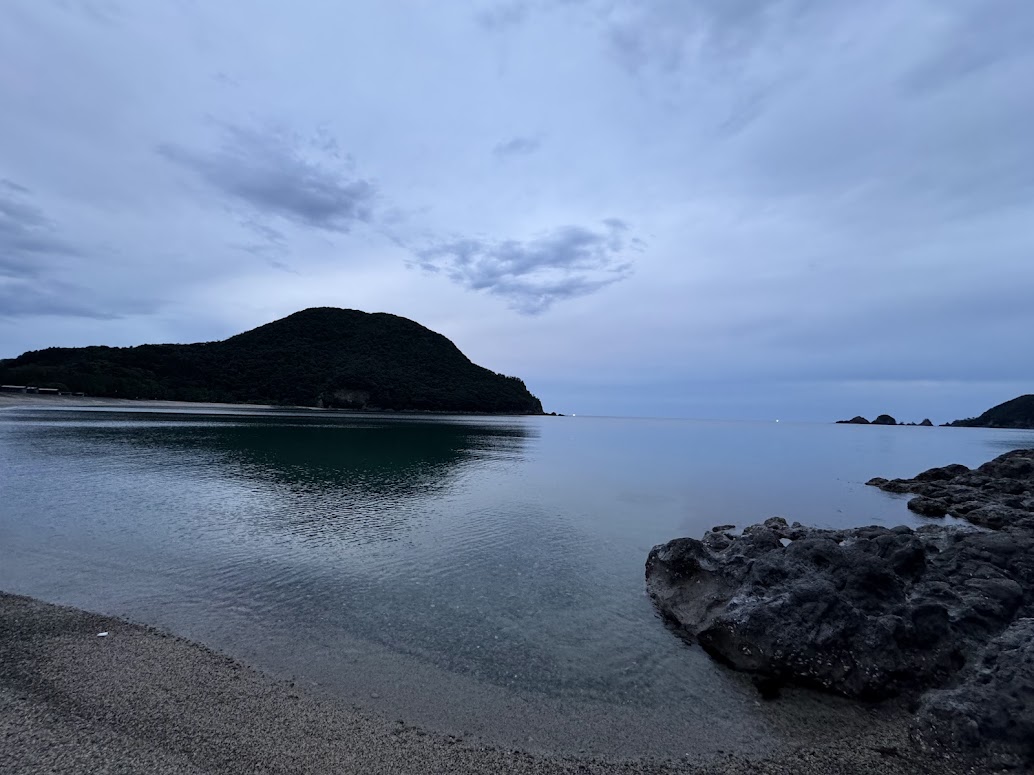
[322, 356]
[1017, 413]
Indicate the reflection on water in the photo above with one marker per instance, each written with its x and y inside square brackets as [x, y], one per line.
[475, 573]
[346, 481]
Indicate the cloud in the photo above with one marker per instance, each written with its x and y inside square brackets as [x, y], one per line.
[36, 260]
[663, 35]
[275, 172]
[532, 275]
[104, 12]
[1005, 30]
[499, 16]
[23, 299]
[516, 146]
[830, 188]
[28, 239]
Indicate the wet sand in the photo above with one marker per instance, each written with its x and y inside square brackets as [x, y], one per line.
[139, 700]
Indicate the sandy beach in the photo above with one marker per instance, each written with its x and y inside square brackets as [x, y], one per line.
[139, 700]
[34, 401]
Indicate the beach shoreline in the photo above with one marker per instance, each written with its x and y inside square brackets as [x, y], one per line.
[138, 699]
[37, 401]
[31, 401]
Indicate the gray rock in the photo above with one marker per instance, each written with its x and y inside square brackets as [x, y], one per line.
[992, 707]
[928, 507]
[869, 612]
[942, 474]
[997, 494]
[873, 612]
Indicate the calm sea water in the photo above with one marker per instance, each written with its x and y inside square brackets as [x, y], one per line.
[473, 575]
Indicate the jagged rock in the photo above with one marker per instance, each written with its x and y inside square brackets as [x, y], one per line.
[871, 612]
[926, 423]
[996, 494]
[866, 612]
[942, 474]
[928, 507]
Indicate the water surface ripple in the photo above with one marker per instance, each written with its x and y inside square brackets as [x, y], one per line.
[475, 575]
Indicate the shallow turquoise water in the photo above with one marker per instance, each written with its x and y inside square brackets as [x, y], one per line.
[483, 575]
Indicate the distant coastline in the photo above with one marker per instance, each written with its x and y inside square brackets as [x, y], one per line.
[1017, 414]
[320, 357]
[21, 400]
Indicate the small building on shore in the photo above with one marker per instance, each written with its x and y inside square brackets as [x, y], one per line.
[14, 389]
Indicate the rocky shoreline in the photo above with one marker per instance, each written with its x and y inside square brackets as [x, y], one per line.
[942, 615]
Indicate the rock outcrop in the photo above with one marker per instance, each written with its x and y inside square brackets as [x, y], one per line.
[992, 707]
[874, 612]
[883, 419]
[998, 494]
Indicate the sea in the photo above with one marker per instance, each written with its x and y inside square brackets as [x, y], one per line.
[475, 576]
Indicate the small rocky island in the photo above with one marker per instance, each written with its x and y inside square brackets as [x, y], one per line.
[1016, 413]
[942, 616]
[883, 419]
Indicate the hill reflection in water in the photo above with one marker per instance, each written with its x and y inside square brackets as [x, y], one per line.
[330, 475]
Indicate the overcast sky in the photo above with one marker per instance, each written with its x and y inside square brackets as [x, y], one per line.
[798, 209]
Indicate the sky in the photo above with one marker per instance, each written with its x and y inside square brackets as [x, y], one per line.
[728, 209]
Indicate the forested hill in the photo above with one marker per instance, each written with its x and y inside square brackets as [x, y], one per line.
[317, 357]
[1017, 413]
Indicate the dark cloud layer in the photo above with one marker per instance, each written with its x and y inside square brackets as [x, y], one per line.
[276, 173]
[534, 274]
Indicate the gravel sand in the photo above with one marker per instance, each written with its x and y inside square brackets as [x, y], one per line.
[138, 700]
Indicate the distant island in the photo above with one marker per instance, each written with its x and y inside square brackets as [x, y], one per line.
[320, 357]
[1017, 413]
[883, 419]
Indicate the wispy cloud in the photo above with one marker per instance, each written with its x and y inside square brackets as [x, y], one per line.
[36, 260]
[29, 241]
[23, 299]
[516, 146]
[500, 15]
[532, 275]
[107, 12]
[274, 172]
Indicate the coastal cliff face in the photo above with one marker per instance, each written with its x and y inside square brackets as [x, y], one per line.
[873, 612]
[317, 357]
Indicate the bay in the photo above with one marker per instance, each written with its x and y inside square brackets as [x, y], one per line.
[474, 575]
